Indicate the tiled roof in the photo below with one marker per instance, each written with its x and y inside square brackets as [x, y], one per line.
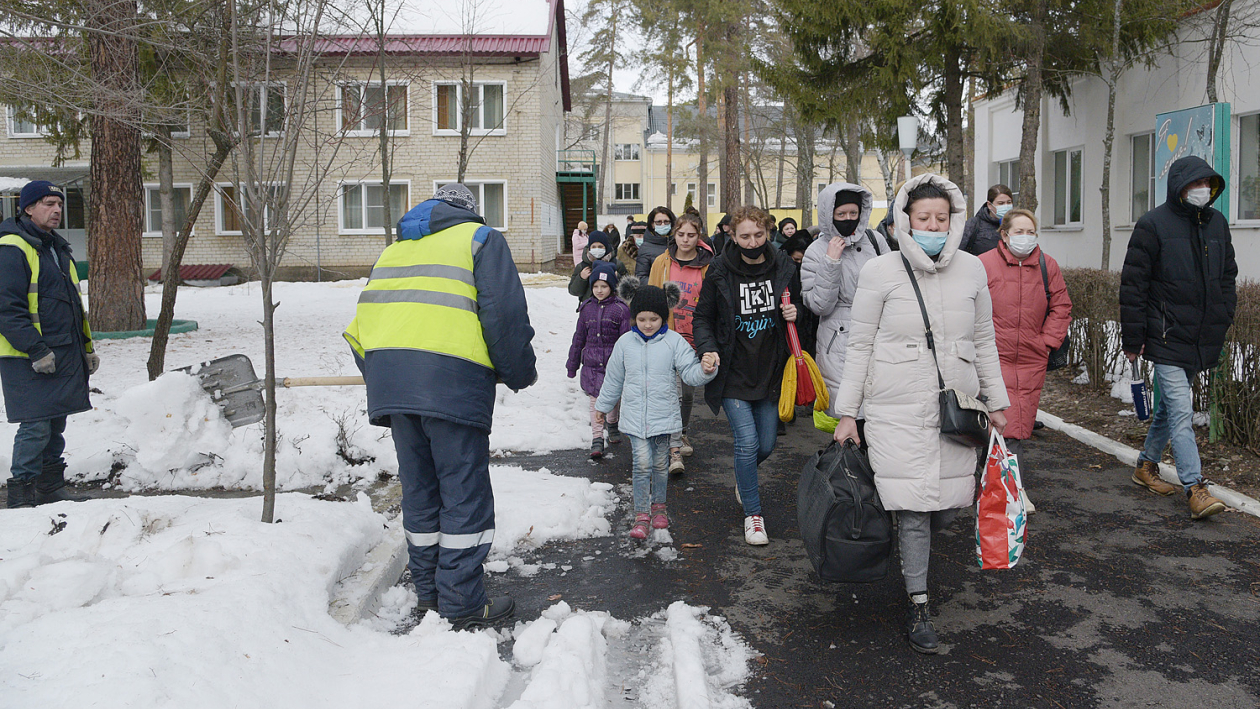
[478, 45]
[197, 272]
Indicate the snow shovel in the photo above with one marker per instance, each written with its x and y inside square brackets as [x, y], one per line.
[802, 382]
[231, 383]
[1141, 395]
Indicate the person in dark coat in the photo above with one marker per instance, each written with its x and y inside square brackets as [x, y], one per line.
[599, 249]
[602, 319]
[981, 233]
[722, 234]
[432, 351]
[887, 230]
[660, 229]
[1177, 301]
[806, 320]
[740, 326]
[46, 353]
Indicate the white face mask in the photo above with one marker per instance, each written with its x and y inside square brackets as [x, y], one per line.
[1199, 196]
[1022, 244]
[598, 252]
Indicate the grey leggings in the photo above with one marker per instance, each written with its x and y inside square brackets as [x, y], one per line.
[914, 534]
[686, 395]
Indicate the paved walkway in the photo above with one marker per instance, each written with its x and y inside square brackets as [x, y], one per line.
[1120, 601]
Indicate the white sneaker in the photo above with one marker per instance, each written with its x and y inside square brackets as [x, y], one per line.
[686, 448]
[1029, 507]
[676, 466]
[755, 531]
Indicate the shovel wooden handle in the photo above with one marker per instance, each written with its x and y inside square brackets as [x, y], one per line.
[290, 382]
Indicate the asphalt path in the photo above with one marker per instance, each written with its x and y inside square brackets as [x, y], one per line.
[1120, 600]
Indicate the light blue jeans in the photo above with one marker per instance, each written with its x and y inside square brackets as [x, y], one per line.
[36, 444]
[755, 428]
[650, 469]
[1172, 421]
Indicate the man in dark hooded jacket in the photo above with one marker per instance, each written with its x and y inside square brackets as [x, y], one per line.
[45, 345]
[442, 318]
[1177, 301]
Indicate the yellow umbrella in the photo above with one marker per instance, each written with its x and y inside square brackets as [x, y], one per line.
[802, 382]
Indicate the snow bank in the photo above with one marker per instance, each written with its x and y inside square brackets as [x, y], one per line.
[162, 435]
[701, 662]
[175, 601]
[533, 507]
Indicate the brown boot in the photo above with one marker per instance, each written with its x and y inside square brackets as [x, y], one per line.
[1147, 475]
[1202, 504]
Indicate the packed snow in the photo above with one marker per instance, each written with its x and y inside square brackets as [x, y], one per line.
[192, 602]
[167, 435]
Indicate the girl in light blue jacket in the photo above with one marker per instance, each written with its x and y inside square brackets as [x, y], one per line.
[641, 375]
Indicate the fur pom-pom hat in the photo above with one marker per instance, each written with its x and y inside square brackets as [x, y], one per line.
[649, 298]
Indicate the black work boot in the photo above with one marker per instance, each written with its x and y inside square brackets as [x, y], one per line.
[21, 492]
[494, 612]
[424, 605]
[919, 628]
[50, 485]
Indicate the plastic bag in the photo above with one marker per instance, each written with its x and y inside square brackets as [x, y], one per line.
[1001, 520]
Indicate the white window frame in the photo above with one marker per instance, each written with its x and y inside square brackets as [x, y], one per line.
[1069, 185]
[634, 151]
[459, 98]
[480, 194]
[1013, 184]
[369, 132]
[147, 206]
[636, 197]
[40, 131]
[341, 212]
[1150, 198]
[220, 208]
[711, 193]
[1236, 204]
[260, 93]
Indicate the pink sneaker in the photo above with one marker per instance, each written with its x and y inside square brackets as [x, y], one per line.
[660, 520]
[639, 530]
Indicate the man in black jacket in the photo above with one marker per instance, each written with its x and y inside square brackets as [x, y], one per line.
[46, 351]
[1177, 301]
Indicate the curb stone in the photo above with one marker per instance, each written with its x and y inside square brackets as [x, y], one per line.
[1129, 456]
[359, 594]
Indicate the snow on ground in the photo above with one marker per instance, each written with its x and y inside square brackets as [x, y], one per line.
[166, 435]
[191, 602]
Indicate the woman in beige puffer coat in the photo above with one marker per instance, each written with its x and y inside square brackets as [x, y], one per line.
[890, 371]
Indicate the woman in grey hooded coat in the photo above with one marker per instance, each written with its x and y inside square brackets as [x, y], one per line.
[829, 272]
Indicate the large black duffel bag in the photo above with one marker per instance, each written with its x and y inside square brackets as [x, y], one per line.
[847, 532]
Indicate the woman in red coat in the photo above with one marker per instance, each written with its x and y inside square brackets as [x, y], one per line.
[1027, 325]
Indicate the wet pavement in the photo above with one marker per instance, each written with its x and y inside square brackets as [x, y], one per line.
[1120, 600]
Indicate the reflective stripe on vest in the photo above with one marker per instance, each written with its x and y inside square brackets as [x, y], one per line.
[32, 293]
[422, 296]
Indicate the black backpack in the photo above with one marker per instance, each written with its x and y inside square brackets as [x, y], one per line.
[847, 532]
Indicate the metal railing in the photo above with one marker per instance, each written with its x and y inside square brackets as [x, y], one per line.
[575, 161]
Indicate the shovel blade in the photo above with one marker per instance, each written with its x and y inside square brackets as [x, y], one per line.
[232, 385]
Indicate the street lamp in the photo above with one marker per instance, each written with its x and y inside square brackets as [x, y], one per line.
[908, 137]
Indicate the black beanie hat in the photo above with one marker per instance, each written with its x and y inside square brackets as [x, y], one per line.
[848, 197]
[597, 237]
[650, 299]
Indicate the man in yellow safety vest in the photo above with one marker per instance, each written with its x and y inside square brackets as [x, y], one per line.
[46, 351]
[442, 319]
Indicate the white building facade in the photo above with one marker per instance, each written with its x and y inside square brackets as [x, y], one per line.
[1069, 159]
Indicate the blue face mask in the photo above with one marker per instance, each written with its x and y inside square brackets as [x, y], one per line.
[1002, 209]
[930, 241]
[662, 229]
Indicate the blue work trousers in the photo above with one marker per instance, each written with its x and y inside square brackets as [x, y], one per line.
[448, 509]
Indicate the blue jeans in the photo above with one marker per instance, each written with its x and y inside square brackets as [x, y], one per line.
[36, 444]
[1172, 421]
[755, 427]
[650, 470]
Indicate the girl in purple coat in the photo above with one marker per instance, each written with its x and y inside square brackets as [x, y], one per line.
[602, 319]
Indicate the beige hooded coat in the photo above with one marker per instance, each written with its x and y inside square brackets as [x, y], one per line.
[889, 368]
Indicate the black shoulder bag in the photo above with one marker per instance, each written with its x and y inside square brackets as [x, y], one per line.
[964, 418]
[1058, 356]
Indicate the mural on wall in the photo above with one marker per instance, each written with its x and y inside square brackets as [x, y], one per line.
[1202, 131]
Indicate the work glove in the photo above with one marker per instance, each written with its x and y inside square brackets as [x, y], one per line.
[93, 363]
[46, 364]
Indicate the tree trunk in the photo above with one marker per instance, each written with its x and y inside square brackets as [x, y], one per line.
[1216, 46]
[969, 147]
[669, 144]
[1111, 74]
[888, 168]
[852, 152]
[730, 174]
[805, 197]
[1031, 130]
[750, 156]
[605, 171]
[166, 190]
[952, 98]
[778, 182]
[116, 285]
[269, 404]
[702, 115]
[466, 106]
[382, 135]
